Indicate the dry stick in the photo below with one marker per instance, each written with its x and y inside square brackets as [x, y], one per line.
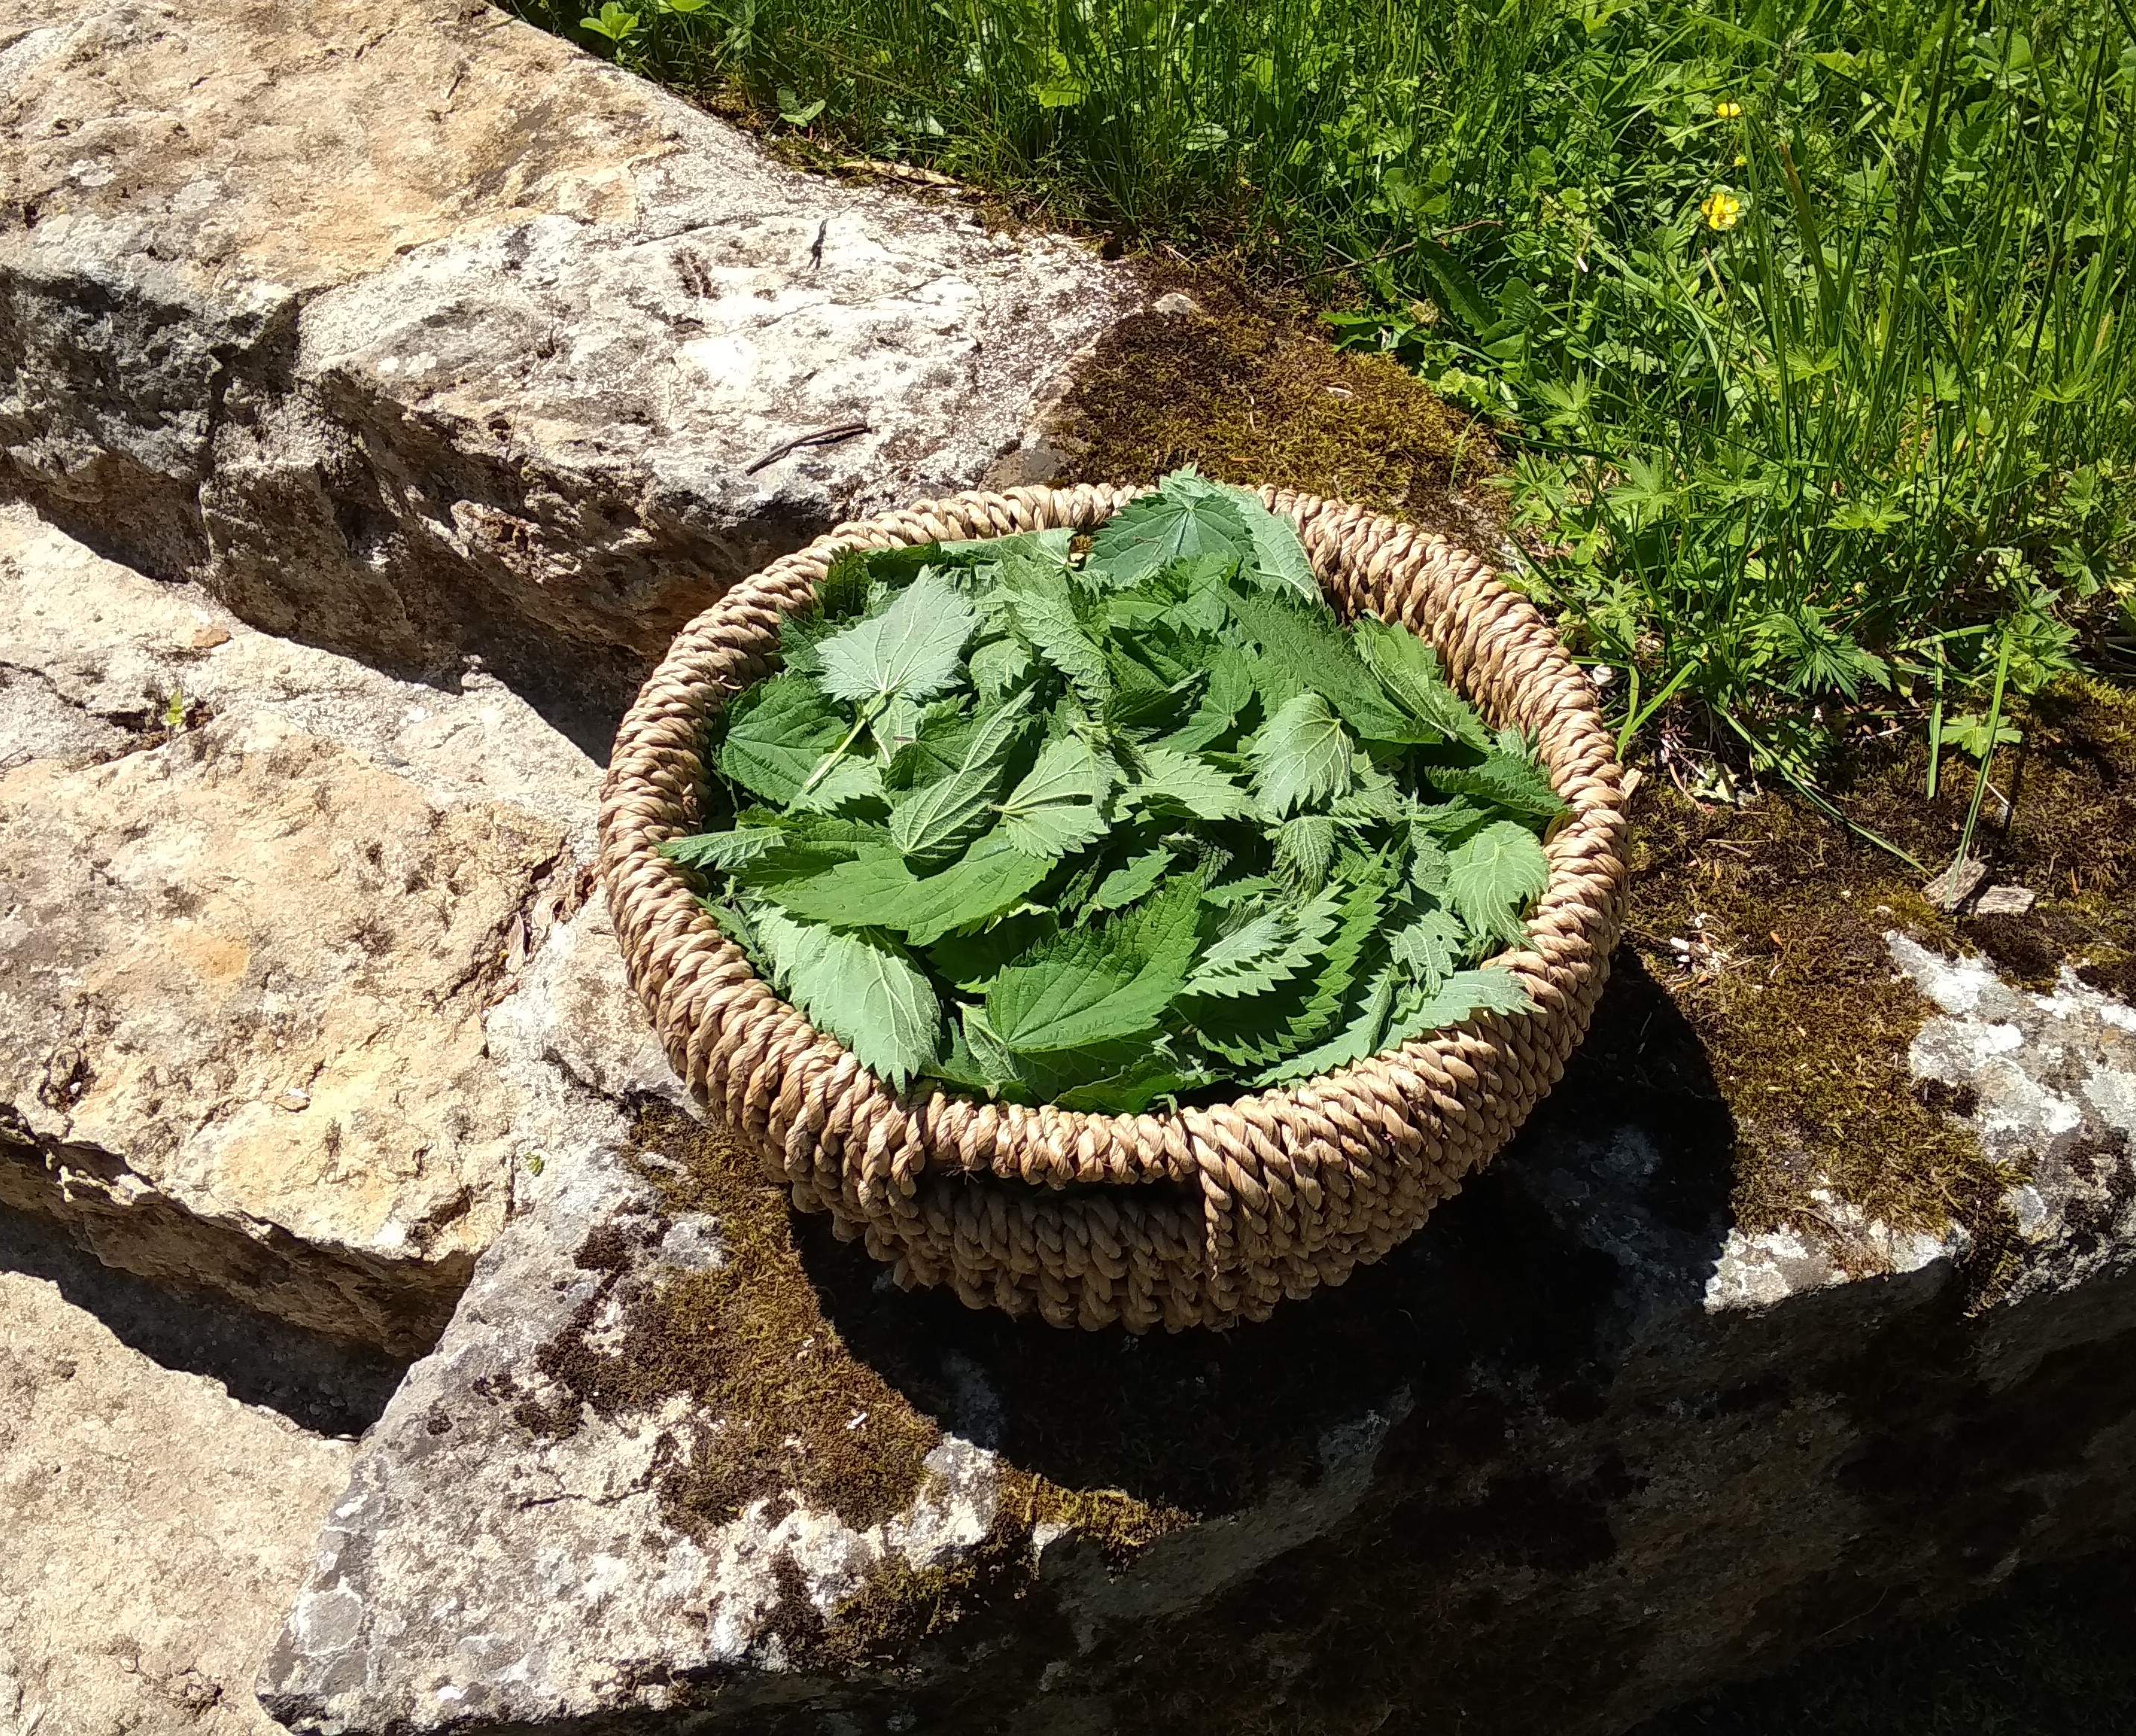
[821, 437]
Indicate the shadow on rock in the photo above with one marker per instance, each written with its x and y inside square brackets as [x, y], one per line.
[330, 1387]
[1609, 1206]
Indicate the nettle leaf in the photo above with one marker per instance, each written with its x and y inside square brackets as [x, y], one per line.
[1308, 646]
[1279, 559]
[1301, 755]
[863, 990]
[912, 649]
[1126, 884]
[1098, 985]
[1038, 601]
[971, 958]
[1510, 780]
[1260, 1032]
[1054, 808]
[1461, 996]
[850, 781]
[998, 664]
[1362, 1036]
[934, 819]
[1492, 877]
[1174, 523]
[1166, 779]
[1252, 958]
[1409, 670]
[1428, 948]
[725, 852]
[843, 592]
[1428, 865]
[1305, 851]
[1043, 548]
[878, 890]
[778, 733]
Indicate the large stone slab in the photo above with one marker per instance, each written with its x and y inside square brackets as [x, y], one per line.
[410, 330]
[155, 1528]
[276, 934]
[1580, 1448]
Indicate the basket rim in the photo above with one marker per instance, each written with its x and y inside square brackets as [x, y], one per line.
[643, 803]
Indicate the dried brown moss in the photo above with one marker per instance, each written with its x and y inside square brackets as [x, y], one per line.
[1250, 390]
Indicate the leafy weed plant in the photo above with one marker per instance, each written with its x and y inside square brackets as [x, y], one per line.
[1105, 829]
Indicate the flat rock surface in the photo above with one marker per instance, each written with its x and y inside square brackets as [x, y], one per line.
[411, 330]
[258, 908]
[154, 1526]
[1580, 1448]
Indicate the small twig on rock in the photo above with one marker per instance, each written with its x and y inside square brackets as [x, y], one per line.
[821, 437]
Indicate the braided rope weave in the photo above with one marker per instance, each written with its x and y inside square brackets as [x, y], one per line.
[1200, 1216]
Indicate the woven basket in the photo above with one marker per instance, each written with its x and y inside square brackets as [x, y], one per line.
[1200, 1217]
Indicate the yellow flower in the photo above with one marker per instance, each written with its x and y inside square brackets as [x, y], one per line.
[1728, 111]
[1722, 210]
[1740, 159]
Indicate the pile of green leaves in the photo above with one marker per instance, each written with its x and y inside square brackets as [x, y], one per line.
[1108, 830]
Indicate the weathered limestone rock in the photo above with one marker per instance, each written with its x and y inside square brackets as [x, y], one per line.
[1580, 1448]
[258, 905]
[154, 1526]
[410, 330]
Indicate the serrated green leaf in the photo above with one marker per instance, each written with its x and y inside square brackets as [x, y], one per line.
[1428, 948]
[1362, 1036]
[969, 961]
[843, 591]
[912, 649]
[1117, 1078]
[1055, 808]
[723, 852]
[1135, 1087]
[1305, 851]
[1129, 882]
[850, 782]
[1427, 863]
[777, 734]
[1038, 601]
[859, 987]
[1461, 996]
[1098, 985]
[1168, 780]
[1252, 959]
[1509, 780]
[1045, 548]
[1308, 646]
[1279, 557]
[997, 664]
[1300, 755]
[1409, 670]
[1492, 877]
[878, 890]
[1159, 529]
[1261, 1031]
[927, 822]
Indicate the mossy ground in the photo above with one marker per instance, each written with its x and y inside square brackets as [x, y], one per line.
[1767, 924]
[1248, 389]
